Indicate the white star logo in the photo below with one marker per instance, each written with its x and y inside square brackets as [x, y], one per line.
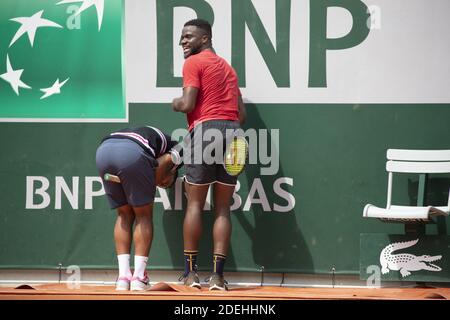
[99, 6]
[13, 77]
[30, 25]
[54, 89]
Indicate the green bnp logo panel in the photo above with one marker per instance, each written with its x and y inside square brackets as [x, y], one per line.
[61, 61]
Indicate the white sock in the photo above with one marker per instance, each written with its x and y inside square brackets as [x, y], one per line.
[124, 265]
[140, 263]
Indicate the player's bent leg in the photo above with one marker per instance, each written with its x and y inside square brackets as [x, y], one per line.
[123, 229]
[143, 229]
[142, 236]
[123, 238]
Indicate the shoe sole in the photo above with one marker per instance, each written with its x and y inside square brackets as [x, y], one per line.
[140, 289]
[216, 287]
[122, 289]
[122, 285]
[195, 285]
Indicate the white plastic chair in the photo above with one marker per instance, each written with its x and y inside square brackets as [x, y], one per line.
[411, 161]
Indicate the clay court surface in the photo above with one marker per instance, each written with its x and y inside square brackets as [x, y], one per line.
[168, 291]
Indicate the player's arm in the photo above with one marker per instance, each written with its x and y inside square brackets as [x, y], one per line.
[242, 110]
[186, 103]
[165, 172]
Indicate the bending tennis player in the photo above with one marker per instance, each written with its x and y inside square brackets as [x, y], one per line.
[212, 101]
[142, 159]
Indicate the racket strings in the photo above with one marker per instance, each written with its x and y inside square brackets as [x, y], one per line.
[236, 156]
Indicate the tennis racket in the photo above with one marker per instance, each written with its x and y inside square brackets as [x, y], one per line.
[236, 155]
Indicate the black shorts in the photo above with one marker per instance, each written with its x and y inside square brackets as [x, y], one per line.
[204, 163]
[135, 168]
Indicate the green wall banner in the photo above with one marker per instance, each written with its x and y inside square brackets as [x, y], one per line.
[61, 61]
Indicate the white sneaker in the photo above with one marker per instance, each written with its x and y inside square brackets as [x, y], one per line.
[138, 284]
[123, 284]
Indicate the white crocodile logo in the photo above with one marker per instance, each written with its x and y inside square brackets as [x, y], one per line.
[405, 262]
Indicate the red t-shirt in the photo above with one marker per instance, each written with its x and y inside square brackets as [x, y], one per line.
[218, 92]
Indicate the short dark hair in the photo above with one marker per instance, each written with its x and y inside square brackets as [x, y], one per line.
[202, 24]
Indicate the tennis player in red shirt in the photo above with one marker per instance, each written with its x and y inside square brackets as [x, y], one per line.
[212, 101]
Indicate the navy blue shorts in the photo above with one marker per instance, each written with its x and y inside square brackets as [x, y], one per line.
[135, 168]
[205, 171]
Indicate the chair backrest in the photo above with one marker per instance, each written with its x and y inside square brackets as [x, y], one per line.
[415, 161]
[418, 161]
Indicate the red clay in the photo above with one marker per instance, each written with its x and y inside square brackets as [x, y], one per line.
[165, 291]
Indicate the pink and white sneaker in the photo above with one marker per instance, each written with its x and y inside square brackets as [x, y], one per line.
[138, 284]
[123, 284]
